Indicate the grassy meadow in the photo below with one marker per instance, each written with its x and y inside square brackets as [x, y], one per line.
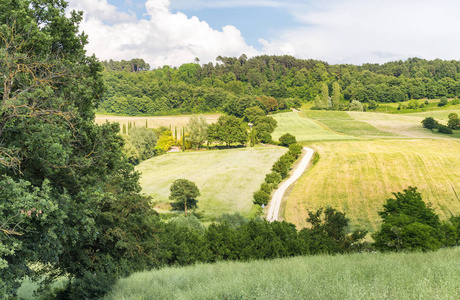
[432, 275]
[356, 177]
[225, 178]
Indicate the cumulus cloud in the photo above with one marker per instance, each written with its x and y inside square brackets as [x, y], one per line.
[164, 38]
[359, 31]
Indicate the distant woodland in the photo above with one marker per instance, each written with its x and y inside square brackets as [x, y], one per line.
[271, 82]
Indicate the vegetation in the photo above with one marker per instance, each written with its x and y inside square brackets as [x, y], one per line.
[226, 178]
[352, 276]
[184, 193]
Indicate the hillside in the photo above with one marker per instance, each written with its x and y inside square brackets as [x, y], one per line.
[225, 178]
[431, 275]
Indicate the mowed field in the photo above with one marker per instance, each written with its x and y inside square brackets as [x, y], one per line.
[356, 177]
[431, 275]
[153, 122]
[226, 178]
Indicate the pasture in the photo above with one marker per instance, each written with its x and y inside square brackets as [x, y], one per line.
[225, 178]
[356, 177]
[432, 275]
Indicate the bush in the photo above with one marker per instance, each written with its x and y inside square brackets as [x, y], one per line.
[456, 101]
[273, 178]
[295, 149]
[444, 129]
[261, 197]
[443, 101]
[266, 187]
[430, 123]
[355, 105]
[287, 139]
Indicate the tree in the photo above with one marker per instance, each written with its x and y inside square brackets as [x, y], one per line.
[355, 105]
[144, 140]
[69, 199]
[184, 193]
[228, 129]
[443, 101]
[430, 123]
[166, 141]
[251, 114]
[287, 139]
[198, 131]
[335, 95]
[408, 223]
[325, 101]
[454, 121]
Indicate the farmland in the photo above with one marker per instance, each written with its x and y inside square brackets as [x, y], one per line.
[225, 178]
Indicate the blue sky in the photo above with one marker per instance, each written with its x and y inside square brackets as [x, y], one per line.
[172, 32]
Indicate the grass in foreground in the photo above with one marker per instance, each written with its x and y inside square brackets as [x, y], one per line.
[431, 275]
[356, 177]
[226, 178]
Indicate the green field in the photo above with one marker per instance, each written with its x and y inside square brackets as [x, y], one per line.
[432, 275]
[225, 178]
[357, 176]
[305, 129]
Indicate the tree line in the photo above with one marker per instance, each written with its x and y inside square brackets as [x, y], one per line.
[273, 82]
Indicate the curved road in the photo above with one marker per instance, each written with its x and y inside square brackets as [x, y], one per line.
[275, 204]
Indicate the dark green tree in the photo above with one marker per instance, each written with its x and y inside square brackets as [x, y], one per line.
[228, 129]
[287, 139]
[184, 192]
[430, 123]
[69, 200]
[454, 121]
[408, 223]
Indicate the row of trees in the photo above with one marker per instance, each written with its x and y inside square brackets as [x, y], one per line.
[452, 124]
[194, 88]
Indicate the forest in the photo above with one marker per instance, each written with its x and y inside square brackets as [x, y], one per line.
[271, 82]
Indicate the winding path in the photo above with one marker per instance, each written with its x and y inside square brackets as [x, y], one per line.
[275, 204]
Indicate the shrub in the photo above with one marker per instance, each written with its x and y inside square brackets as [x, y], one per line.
[454, 121]
[444, 129]
[430, 123]
[273, 178]
[443, 101]
[456, 101]
[295, 149]
[266, 187]
[261, 197]
[287, 139]
[355, 105]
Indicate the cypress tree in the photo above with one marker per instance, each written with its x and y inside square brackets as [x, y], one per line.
[335, 95]
[124, 129]
[183, 138]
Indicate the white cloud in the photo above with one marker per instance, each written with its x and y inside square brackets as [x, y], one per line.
[359, 31]
[166, 38]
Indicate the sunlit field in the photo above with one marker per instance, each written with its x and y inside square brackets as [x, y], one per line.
[226, 178]
[356, 177]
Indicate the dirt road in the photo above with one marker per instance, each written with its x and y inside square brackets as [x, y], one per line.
[275, 203]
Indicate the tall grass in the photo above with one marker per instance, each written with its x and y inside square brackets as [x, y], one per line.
[358, 276]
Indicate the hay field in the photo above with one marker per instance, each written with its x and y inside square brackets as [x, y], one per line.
[356, 177]
[157, 121]
[225, 178]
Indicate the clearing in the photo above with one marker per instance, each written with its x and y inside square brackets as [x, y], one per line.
[226, 178]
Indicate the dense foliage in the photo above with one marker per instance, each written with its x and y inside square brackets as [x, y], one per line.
[272, 83]
[69, 201]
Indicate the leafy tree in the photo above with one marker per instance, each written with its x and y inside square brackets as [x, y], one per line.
[69, 200]
[228, 129]
[336, 95]
[184, 192]
[166, 141]
[430, 123]
[287, 139]
[144, 140]
[264, 127]
[355, 105]
[129, 151]
[454, 121]
[408, 223]
[261, 197]
[198, 131]
[443, 101]
[251, 114]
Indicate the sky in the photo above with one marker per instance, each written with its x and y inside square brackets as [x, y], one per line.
[173, 32]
